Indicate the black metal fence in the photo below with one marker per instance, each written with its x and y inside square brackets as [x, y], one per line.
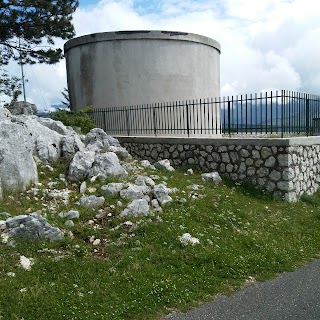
[280, 113]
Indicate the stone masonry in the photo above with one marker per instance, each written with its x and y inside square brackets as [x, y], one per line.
[285, 167]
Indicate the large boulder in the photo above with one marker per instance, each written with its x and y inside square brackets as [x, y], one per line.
[138, 207]
[98, 140]
[17, 166]
[81, 165]
[32, 227]
[161, 192]
[23, 107]
[107, 165]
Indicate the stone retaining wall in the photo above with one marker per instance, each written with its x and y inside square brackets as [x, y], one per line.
[286, 167]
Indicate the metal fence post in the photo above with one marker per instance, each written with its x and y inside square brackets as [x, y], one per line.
[187, 113]
[307, 116]
[229, 118]
[154, 120]
[282, 112]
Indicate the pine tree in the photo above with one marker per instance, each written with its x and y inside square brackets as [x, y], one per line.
[25, 24]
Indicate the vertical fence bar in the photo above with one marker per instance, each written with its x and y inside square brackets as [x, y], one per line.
[229, 118]
[307, 114]
[271, 113]
[187, 113]
[282, 112]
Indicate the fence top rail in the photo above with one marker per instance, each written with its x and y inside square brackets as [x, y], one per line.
[278, 94]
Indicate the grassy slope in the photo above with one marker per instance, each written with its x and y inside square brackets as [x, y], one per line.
[143, 271]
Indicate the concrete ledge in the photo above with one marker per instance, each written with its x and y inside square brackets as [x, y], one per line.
[284, 142]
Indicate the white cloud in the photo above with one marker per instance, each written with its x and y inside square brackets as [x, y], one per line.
[266, 44]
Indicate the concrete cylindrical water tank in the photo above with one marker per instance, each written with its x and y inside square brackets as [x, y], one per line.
[129, 68]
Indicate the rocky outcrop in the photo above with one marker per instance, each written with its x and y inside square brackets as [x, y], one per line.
[23, 107]
[17, 166]
[32, 227]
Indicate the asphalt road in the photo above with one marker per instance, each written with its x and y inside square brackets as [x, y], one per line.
[293, 295]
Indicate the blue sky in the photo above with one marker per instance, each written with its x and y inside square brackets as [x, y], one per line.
[266, 44]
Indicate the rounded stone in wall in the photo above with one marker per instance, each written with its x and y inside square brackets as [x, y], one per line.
[251, 171]
[234, 156]
[270, 162]
[258, 163]
[203, 153]
[270, 186]
[291, 197]
[225, 157]
[249, 161]
[255, 154]
[209, 158]
[244, 153]
[213, 165]
[288, 174]
[242, 167]
[216, 156]
[222, 149]
[222, 167]
[266, 152]
[180, 147]
[209, 149]
[233, 176]
[229, 167]
[275, 175]
[262, 172]
[261, 182]
[285, 185]
[175, 154]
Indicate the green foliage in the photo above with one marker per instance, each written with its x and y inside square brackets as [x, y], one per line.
[9, 86]
[79, 118]
[66, 101]
[24, 24]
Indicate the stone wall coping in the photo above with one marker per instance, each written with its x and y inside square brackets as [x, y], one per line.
[286, 142]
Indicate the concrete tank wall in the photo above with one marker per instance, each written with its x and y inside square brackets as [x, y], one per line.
[141, 67]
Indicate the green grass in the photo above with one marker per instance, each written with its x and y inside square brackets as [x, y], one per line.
[143, 272]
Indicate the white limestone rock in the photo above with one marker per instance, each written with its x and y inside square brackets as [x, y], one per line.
[164, 165]
[121, 152]
[26, 263]
[112, 189]
[23, 107]
[187, 239]
[138, 207]
[98, 140]
[72, 214]
[81, 165]
[92, 202]
[161, 193]
[70, 145]
[211, 176]
[135, 192]
[107, 165]
[147, 164]
[32, 226]
[5, 113]
[17, 166]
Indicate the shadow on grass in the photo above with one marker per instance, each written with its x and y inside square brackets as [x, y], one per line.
[249, 189]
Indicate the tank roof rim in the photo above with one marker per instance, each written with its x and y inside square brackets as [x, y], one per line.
[141, 35]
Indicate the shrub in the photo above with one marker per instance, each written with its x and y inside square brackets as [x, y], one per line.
[79, 118]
